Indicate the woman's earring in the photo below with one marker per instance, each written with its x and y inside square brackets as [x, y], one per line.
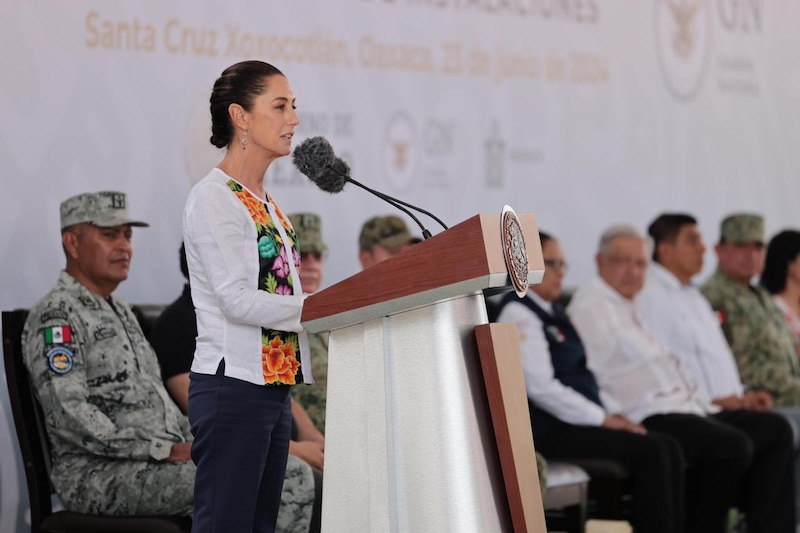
[244, 140]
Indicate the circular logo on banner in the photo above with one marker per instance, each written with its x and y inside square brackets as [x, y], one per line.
[514, 250]
[60, 360]
[400, 150]
[683, 42]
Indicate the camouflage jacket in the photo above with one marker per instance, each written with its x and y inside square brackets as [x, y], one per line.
[99, 384]
[758, 336]
[312, 397]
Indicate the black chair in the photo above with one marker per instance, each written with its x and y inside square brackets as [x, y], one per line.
[35, 449]
[565, 499]
[610, 488]
[147, 315]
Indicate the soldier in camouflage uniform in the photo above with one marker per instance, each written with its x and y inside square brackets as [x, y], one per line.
[383, 237]
[754, 326]
[120, 446]
[308, 228]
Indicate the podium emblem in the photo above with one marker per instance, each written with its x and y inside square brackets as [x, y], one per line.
[514, 250]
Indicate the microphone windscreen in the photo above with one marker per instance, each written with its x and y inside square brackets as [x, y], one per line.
[313, 157]
[340, 167]
[335, 177]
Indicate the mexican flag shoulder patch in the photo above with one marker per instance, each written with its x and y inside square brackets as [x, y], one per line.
[58, 335]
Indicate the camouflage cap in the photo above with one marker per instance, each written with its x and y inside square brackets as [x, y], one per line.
[105, 209]
[388, 231]
[308, 227]
[742, 228]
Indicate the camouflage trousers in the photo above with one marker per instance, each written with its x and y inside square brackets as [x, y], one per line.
[126, 487]
[297, 498]
[140, 488]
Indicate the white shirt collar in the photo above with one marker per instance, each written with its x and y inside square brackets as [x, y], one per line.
[664, 276]
[541, 302]
[610, 291]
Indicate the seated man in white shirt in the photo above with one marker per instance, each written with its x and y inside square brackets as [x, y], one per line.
[569, 420]
[647, 381]
[676, 310]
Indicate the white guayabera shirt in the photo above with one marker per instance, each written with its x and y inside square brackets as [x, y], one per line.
[685, 321]
[634, 369]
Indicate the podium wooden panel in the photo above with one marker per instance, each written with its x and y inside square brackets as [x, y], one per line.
[410, 440]
[498, 345]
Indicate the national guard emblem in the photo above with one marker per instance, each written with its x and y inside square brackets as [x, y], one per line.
[60, 359]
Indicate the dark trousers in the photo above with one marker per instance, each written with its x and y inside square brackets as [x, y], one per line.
[767, 495]
[241, 442]
[655, 461]
[717, 457]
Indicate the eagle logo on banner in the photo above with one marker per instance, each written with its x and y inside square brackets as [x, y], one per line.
[684, 13]
[683, 44]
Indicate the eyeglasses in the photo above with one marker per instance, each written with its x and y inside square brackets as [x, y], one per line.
[627, 261]
[556, 264]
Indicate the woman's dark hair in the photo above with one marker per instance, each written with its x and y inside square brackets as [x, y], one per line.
[544, 237]
[238, 84]
[782, 250]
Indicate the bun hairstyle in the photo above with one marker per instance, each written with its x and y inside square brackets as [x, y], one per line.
[238, 84]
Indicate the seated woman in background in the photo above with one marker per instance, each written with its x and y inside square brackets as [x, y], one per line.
[570, 421]
[781, 277]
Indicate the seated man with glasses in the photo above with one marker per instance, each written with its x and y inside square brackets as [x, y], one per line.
[726, 465]
[569, 420]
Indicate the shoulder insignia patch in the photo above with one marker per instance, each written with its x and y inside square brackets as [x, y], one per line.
[58, 335]
[104, 332]
[54, 314]
[88, 302]
[60, 359]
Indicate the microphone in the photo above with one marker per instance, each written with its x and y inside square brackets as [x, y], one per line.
[335, 177]
[315, 158]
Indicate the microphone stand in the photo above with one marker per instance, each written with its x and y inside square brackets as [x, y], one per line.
[397, 203]
[391, 199]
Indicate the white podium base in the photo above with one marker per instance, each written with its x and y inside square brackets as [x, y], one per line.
[409, 441]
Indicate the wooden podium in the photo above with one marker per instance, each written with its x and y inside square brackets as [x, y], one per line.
[427, 417]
